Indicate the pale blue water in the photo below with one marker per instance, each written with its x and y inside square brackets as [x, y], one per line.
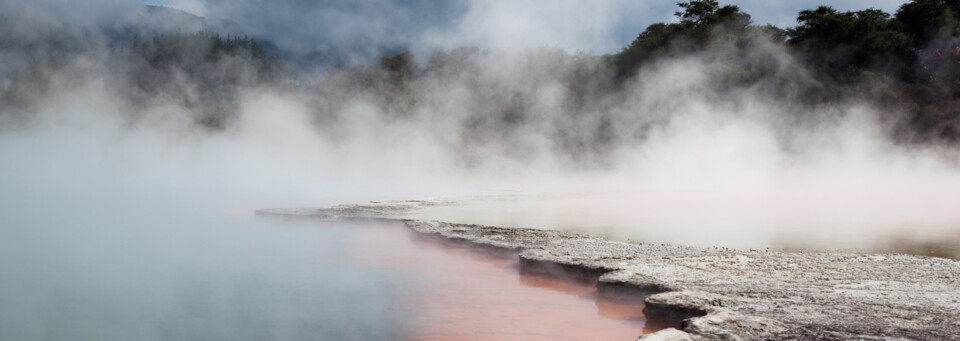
[95, 246]
[121, 265]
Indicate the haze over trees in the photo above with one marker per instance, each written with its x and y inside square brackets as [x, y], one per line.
[840, 126]
[865, 54]
[830, 57]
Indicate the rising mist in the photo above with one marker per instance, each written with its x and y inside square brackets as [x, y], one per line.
[131, 158]
[685, 155]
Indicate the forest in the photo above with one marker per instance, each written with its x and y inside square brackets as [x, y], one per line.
[907, 62]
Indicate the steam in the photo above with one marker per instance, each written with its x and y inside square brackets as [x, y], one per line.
[669, 157]
[600, 26]
[123, 215]
[712, 168]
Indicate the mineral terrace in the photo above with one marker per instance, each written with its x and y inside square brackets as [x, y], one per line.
[724, 294]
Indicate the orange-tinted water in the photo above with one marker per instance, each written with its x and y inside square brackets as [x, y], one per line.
[462, 293]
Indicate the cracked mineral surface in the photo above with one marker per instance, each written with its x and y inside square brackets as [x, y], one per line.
[725, 294]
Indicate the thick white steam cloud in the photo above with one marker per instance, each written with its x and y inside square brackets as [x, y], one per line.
[670, 157]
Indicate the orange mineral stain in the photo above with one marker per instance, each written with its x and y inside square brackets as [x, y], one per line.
[465, 293]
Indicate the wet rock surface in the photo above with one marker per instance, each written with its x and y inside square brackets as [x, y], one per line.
[724, 294]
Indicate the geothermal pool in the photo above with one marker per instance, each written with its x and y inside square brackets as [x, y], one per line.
[457, 292]
[160, 270]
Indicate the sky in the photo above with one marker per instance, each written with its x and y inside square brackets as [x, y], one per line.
[344, 32]
[602, 26]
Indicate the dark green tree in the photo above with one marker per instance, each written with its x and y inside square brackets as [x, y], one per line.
[703, 23]
[926, 20]
[848, 43]
[697, 11]
[401, 65]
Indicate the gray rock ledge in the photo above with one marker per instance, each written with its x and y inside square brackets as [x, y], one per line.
[719, 293]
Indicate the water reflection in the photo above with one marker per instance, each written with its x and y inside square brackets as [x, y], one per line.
[467, 293]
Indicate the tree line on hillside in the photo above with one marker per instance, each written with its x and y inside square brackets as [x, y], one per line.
[908, 61]
[214, 67]
[200, 71]
[840, 45]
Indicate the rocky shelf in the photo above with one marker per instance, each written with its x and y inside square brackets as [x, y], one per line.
[720, 293]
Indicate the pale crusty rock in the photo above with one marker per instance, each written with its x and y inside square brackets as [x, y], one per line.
[669, 334]
[692, 300]
[723, 293]
[629, 282]
[723, 324]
